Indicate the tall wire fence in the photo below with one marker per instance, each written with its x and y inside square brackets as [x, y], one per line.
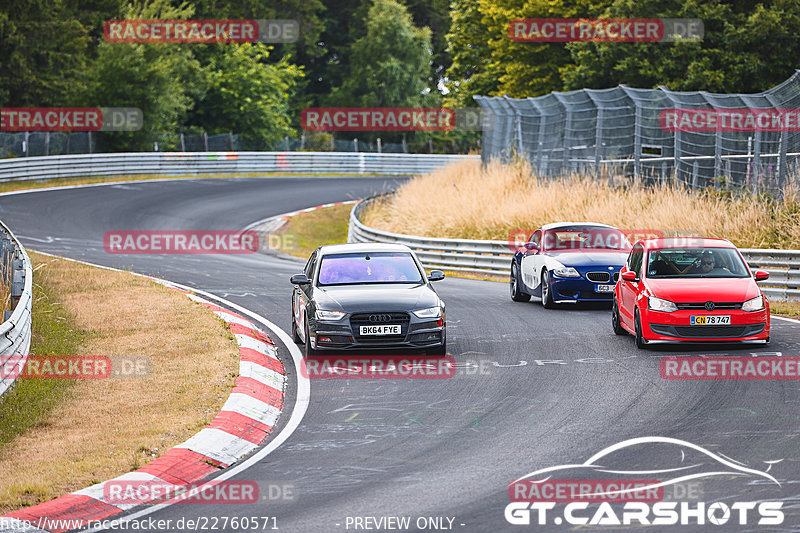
[621, 132]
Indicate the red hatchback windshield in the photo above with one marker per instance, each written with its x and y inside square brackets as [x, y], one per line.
[702, 262]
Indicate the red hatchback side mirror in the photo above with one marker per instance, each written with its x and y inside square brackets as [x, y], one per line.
[629, 275]
[761, 275]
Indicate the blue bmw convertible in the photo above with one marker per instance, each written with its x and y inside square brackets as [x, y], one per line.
[569, 262]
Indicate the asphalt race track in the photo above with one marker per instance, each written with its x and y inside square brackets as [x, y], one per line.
[535, 388]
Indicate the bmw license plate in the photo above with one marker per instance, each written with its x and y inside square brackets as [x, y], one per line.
[388, 329]
[603, 288]
[710, 320]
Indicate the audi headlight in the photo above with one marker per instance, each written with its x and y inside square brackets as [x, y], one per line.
[657, 304]
[430, 312]
[754, 304]
[566, 272]
[328, 315]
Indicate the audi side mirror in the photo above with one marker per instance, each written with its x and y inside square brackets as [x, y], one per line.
[300, 279]
[436, 275]
[761, 275]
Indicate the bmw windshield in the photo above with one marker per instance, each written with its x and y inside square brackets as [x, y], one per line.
[368, 268]
[576, 238]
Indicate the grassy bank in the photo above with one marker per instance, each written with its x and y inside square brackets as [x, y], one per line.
[60, 435]
[466, 200]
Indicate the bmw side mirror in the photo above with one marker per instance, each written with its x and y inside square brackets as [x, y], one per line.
[300, 279]
[531, 247]
[436, 275]
[761, 275]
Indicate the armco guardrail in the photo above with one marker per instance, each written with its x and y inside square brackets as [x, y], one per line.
[15, 331]
[181, 163]
[494, 257]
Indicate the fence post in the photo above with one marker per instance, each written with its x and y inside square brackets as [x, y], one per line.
[756, 171]
[355, 145]
[694, 176]
[47, 143]
[782, 163]
[302, 140]
[637, 141]
[183, 144]
[379, 145]
[230, 140]
[205, 140]
[90, 142]
[405, 148]
[69, 138]
[27, 143]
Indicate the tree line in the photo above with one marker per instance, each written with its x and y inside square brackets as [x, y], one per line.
[367, 53]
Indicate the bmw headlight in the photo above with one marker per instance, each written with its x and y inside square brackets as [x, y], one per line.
[566, 272]
[754, 304]
[657, 304]
[328, 315]
[430, 312]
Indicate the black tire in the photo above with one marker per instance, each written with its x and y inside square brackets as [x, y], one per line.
[641, 343]
[618, 329]
[547, 293]
[295, 335]
[516, 293]
[439, 350]
[309, 351]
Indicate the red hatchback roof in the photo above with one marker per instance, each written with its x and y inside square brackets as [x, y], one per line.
[686, 242]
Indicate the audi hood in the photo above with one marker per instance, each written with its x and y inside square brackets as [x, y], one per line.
[386, 297]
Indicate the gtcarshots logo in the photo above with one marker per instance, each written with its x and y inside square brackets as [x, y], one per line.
[621, 495]
[71, 119]
[180, 242]
[610, 30]
[200, 31]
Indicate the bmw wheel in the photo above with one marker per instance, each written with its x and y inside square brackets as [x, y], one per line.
[547, 291]
[516, 293]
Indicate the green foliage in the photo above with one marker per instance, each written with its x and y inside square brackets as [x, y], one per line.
[389, 65]
[42, 53]
[247, 94]
[159, 79]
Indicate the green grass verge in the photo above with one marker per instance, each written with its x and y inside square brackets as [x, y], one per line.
[306, 231]
[29, 401]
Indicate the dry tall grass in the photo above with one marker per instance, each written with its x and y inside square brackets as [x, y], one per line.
[466, 200]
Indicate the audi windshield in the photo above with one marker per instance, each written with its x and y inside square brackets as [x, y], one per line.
[368, 268]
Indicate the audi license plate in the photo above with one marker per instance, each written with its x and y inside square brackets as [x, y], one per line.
[710, 320]
[603, 288]
[389, 329]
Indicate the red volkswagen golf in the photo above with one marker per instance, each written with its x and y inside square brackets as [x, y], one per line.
[689, 290]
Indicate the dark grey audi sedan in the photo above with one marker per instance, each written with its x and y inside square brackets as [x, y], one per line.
[367, 296]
